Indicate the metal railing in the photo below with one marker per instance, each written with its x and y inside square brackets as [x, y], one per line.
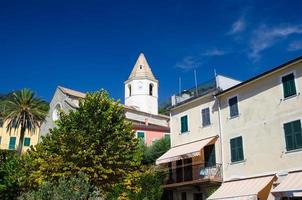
[200, 90]
[195, 172]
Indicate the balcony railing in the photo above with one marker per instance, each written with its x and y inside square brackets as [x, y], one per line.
[195, 173]
[200, 90]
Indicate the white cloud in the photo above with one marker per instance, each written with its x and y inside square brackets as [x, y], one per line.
[295, 46]
[265, 37]
[214, 52]
[189, 62]
[238, 26]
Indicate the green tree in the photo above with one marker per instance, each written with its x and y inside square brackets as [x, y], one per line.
[154, 151]
[77, 187]
[25, 112]
[95, 139]
[10, 173]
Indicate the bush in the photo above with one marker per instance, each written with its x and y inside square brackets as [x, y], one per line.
[10, 174]
[77, 188]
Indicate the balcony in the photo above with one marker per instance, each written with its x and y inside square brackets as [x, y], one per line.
[192, 174]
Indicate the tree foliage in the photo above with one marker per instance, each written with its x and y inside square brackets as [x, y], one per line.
[23, 111]
[10, 172]
[95, 139]
[77, 187]
[154, 151]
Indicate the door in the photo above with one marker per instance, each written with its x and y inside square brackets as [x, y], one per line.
[209, 156]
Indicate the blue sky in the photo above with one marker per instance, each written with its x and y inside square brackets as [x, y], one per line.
[93, 44]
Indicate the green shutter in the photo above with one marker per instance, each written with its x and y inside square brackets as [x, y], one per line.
[141, 135]
[0, 139]
[206, 117]
[236, 149]
[293, 135]
[233, 104]
[26, 142]
[297, 134]
[184, 123]
[12, 143]
[289, 87]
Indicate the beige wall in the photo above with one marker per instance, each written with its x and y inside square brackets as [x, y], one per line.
[262, 113]
[5, 137]
[196, 131]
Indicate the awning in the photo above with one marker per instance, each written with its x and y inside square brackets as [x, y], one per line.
[292, 183]
[246, 189]
[184, 151]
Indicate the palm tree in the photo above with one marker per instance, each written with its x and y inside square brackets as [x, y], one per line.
[25, 112]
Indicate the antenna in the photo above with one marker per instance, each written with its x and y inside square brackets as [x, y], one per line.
[179, 84]
[195, 77]
[215, 74]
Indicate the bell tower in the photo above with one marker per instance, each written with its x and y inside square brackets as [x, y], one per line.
[141, 88]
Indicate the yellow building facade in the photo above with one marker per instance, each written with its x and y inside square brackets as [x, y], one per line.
[10, 139]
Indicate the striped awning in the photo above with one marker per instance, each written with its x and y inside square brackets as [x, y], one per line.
[245, 189]
[188, 150]
[292, 183]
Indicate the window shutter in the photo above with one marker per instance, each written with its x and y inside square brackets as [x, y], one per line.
[206, 117]
[288, 136]
[297, 134]
[289, 87]
[233, 104]
[27, 142]
[233, 151]
[12, 143]
[240, 148]
[184, 124]
[236, 149]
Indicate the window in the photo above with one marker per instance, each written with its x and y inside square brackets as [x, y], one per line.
[236, 149]
[150, 89]
[184, 124]
[289, 87]
[26, 142]
[293, 135]
[233, 104]
[206, 117]
[129, 88]
[141, 135]
[12, 143]
[55, 113]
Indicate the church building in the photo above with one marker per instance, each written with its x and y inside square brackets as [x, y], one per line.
[141, 104]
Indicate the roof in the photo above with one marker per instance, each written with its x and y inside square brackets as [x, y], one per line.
[72, 92]
[138, 125]
[141, 69]
[298, 59]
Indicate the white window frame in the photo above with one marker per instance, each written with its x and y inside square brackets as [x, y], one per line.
[283, 135]
[296, 85]
[243, 148]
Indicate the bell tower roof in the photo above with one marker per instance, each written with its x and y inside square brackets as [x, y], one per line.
[141, 69]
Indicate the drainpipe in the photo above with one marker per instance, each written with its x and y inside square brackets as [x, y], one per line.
[220, 137]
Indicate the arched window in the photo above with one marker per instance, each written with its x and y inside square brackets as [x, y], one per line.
[129, 87]
[151, 89]
[55, 113]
